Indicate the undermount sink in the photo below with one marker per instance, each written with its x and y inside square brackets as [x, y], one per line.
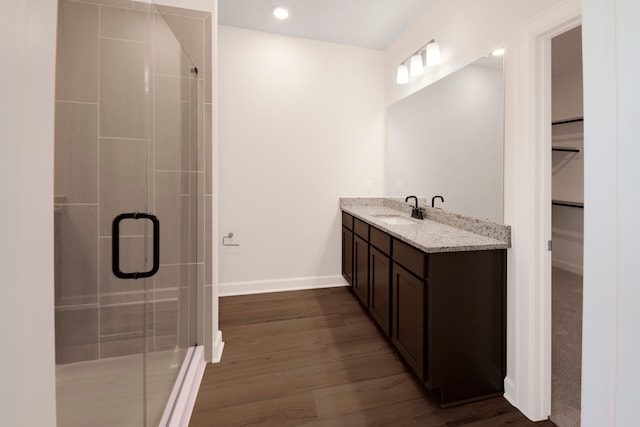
[394, 220]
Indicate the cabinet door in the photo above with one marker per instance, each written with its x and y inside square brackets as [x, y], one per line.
[380, 288]
[347, 255]
[408, 317]
[361, 269]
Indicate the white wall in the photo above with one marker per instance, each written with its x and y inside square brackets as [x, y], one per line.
[300, 125]
[611, 349]
[27, 43]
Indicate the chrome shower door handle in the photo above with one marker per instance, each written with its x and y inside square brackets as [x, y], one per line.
[115, 246]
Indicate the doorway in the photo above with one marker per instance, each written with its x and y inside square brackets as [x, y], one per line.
[567, 226]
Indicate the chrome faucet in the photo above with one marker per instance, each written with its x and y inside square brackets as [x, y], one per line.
[433, 201]
[416, 212]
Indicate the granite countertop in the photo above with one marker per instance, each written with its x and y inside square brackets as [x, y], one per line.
[427, 235]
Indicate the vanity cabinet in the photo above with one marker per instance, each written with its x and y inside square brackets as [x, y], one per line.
[360, 283]
[445, 312]
[347, 247]
[379, 279]
[408, 317]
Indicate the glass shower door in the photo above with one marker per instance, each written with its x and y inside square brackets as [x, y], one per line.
[124, 144]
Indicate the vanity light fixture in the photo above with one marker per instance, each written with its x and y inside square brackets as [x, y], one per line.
[281, 13]
[415, 65]
[431, 52]
[498, 52]
[402, 78]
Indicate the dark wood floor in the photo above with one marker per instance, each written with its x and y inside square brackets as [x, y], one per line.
[314, 358]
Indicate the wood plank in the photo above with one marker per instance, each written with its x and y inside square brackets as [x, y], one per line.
[292, 409]
[263, 330]
[266, 363]
[242, 390]
[344, 372]
[405, 413]
[362, 395]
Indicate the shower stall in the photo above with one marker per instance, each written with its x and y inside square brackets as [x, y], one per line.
[130, 208]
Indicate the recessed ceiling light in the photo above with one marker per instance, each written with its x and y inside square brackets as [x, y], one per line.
[498, 52]
[280, 13]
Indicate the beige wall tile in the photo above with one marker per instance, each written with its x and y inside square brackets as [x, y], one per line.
[123, 184]
[76, 255]
[172, 209]
[208, 249]
[123, 101]
[121, 319]
[198, 217]
[171, 276]
[208, 147]
[189, 32]
[132, 258]
[122, 23]
[170, 10]
[208, 322]
[125, 4]
[200, 314]
[77, 52]
[76, 334]
[172, 123]
[197, 125]
[76, 152]
[208, 64]
[169, 57]
[122, 345]
[166, 330]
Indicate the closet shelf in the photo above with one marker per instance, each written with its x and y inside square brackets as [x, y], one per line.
[568, 204]
[562, 122]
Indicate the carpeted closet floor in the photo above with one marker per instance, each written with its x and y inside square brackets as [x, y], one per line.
[566, 348]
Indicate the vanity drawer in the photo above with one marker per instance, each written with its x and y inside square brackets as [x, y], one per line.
[380, 240]
[347, 221]
[361, 228]
[410, 258]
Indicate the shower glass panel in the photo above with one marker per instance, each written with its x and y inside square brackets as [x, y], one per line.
[126, 141]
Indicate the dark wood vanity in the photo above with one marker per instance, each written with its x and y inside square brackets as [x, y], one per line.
[444, 312]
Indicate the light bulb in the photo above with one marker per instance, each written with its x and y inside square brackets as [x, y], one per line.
[402, 78]
[280, 13]
[433, 54]
[498, 52]
[416, 68]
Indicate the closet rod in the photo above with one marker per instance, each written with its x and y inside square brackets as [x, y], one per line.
[561, 122]
[568, 149]
[568, 204]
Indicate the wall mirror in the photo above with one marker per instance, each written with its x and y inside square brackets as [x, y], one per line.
[448, 139]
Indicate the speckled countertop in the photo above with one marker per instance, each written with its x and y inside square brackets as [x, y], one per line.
[426, 235]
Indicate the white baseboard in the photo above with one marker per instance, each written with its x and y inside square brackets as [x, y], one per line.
[218, 346]
[280, 285]
[573, 268]
[510, 391]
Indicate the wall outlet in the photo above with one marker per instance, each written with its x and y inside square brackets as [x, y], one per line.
[368, 186]
[399, 187]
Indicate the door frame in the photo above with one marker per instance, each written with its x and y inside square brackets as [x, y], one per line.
[528, 382]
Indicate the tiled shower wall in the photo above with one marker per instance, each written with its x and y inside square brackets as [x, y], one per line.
[110, 144]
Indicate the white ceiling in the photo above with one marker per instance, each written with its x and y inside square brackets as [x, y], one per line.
[372, 24]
